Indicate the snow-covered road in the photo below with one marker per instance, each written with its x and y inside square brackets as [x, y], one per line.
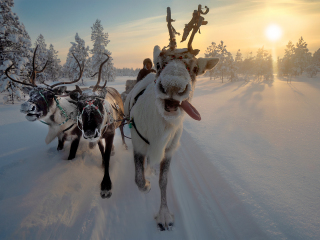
[239, 173]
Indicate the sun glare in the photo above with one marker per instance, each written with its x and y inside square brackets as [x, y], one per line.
[273, 32]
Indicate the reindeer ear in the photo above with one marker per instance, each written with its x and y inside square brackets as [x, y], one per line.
[206, 64]
[75, 94]
[60, 90]
[26, 89]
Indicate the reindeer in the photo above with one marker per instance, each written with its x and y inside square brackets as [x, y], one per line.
[46, 106]
[100, 113]
[157, 105]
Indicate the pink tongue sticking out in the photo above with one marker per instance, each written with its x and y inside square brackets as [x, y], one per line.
[192, 112]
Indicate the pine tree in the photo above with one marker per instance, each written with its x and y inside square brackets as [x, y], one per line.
[53, 69]
[81, 52]
[316, 58]
[248, 66]
[221, 69]
[238, 62]
[41, 58]
[211, 51]
[100, 42]
[15, 48]
[263, 64]
[302, 56]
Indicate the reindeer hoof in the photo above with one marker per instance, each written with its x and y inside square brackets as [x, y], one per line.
[71, 157]
[105, 194]
[146, 189]
[164, 220]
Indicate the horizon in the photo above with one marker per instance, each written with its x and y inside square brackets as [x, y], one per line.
[133, 34]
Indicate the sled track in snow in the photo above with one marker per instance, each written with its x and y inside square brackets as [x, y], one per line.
[61, 198]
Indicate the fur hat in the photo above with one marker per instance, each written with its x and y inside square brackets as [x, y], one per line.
[147, 60]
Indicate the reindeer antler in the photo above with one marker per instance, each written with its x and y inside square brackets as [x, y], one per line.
[194, 24]
[172, 31]
[76, 80]
[34, 72]
[7, 71]
[99, 76]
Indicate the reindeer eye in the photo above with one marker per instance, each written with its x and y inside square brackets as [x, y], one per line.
[158, 66]
[161, 88]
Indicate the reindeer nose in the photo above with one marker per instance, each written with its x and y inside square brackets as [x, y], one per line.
[28, 107]
[91, 134]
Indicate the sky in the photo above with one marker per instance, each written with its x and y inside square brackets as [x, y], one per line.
[135, 27]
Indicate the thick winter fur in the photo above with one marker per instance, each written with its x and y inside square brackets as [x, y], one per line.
[44, 108]
[174, 82]
[100, 113]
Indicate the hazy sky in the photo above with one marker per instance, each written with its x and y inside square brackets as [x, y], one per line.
[135, 26]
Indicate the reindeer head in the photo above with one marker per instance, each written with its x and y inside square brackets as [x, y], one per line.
[93, 110]
[41, 99]
[176, 72]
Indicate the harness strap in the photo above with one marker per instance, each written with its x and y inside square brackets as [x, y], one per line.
[44, 99]
[135, 127]
[45, 122]
[67, 128]
[61, 109]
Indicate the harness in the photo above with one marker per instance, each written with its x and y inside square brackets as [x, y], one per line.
[108, 111]
[132, 123]
[61, 109]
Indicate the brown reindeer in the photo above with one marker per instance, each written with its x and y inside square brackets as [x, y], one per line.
[100, 113]
[46, 105]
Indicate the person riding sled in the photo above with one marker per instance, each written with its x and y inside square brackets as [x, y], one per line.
[147, 68]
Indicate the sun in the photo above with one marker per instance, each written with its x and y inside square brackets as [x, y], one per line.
[273, 32]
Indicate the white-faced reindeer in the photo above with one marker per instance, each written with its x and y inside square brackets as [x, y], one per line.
[100, 113]
[58, 113]
[157, 105]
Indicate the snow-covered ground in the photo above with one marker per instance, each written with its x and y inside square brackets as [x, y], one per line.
[249, 169]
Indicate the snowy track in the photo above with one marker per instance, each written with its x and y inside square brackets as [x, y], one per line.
[228, 180]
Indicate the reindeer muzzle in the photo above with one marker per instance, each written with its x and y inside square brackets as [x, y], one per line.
[31, 110]
[91, 135]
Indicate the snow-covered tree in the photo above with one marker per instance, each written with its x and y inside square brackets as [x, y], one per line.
[127, 72]
[53, 68]
[212, 51]
[302, 56]
[15, 48]
[41, 58]
[286, 65]
[222, 68]
[316, 58]
[238, 61]
[100, 42]
[263, 64]
[248, 66]
[81, 52]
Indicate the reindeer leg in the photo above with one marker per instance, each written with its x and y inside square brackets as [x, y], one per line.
[142, 183]
[106, 184]
[164, 218]
[122, 135]
[61, 141]
[74, 144]
[101, 148]
[74, 148]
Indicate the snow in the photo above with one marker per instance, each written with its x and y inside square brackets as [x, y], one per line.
[248, 170]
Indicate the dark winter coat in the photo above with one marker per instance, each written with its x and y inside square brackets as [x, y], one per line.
[144, 72]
